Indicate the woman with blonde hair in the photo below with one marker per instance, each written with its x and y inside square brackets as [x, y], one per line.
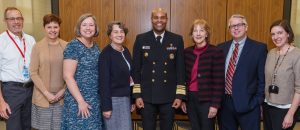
[204, 67]
[80, 70]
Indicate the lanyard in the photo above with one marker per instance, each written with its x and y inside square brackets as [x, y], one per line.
[23, 54]
[277, 65]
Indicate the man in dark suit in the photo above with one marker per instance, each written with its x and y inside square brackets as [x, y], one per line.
[244, 78]
[158, 68]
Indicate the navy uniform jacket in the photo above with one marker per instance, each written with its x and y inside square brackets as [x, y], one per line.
[158, 69]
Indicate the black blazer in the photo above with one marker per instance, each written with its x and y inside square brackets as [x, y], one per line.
[114, 76]
[158, 68]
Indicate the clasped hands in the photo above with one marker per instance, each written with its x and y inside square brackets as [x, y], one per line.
[140, 103]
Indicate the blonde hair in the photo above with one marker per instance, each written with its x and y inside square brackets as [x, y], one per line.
[81, 19]
[204, 24]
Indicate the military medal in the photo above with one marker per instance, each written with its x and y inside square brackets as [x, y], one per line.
[171, 56]
[146, 54]
[171, 48]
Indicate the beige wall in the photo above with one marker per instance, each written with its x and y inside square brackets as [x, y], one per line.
[295, 20]
[33, 12]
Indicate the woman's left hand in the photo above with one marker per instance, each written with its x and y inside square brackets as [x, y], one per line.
[83, 109]
[133, 107]
[212, 112]
[107, 114]
[59, 95]
[287, 121]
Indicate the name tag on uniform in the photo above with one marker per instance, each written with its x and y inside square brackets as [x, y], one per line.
[146, 47]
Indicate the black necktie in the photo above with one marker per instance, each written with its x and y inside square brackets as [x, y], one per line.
[158, 39]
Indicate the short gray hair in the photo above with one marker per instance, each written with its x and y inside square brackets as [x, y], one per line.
[238, 16]
[120, 24]
[81, 19]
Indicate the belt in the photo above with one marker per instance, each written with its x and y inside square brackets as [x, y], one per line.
[18, 84]
[228, 96]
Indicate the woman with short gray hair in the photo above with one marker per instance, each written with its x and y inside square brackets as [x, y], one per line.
[115, 80]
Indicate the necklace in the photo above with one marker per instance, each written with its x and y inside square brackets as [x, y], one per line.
[117, 48]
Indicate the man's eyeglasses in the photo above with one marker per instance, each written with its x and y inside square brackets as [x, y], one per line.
[237, 25]
[13, 18]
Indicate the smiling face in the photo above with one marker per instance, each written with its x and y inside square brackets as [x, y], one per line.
[52, 30]
[14, 21]
[88, 28]
[279, 36]
[199, 35]
[237, 28]
[117, 35]
[159, 21]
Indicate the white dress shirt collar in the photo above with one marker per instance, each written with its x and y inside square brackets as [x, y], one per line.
[162, 36]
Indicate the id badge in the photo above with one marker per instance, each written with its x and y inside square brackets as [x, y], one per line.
[25, 72]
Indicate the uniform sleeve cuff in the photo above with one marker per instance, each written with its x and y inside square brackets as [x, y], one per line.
[180, 89]
[136, 89]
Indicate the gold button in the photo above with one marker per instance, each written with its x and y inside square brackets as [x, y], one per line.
[153, 63]
[166, 63]
[165, 72]
[165, 81]
[153, 80]
[153, 71]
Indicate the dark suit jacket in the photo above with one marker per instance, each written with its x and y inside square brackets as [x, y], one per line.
[158, 69]
[249, 79]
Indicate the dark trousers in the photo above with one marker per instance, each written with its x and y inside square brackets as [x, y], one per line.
[198, 113]
[150, 112]
[273, 117]
[19, 100]
[230, 119]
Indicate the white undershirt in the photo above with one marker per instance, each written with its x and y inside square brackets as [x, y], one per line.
[285, 106]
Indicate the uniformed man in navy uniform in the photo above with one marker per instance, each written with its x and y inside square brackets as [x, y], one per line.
[158, 68]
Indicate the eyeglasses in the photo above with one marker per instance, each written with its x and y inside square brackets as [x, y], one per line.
[13, 18]
[236, 25]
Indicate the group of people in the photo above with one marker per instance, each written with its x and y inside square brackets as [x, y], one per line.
[53, 84]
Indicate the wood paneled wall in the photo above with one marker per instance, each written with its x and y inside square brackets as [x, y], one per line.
[70, 11]
[260, 14]
[136, 15]
[183, 14]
